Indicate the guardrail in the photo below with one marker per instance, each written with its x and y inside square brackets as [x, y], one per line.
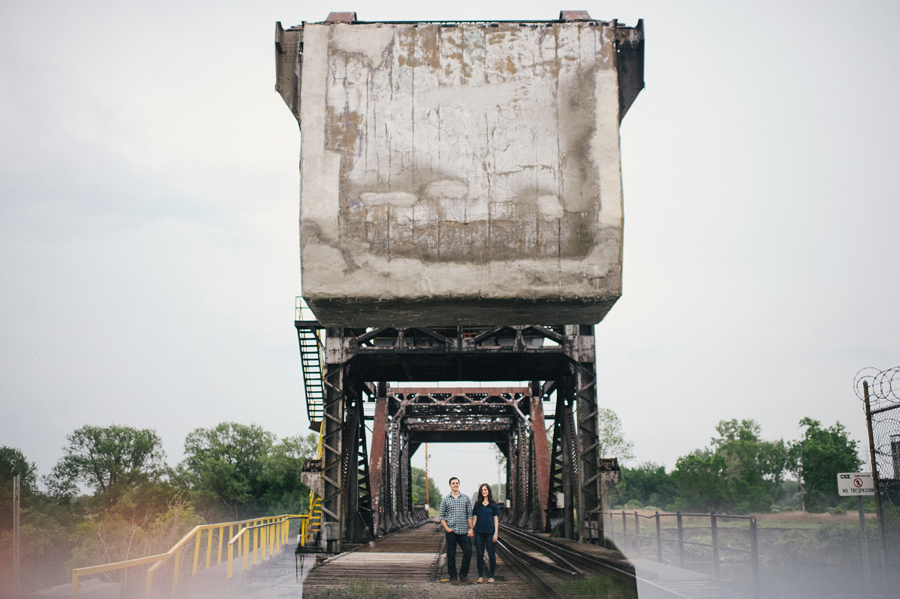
[680, 541]
[262, 537]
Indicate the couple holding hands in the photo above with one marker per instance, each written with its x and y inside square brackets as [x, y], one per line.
[461, 522]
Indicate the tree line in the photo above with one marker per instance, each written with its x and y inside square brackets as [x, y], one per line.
[740, 472]
[112, 496]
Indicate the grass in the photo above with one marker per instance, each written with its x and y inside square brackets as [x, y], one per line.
[597, 587]
[362, 589]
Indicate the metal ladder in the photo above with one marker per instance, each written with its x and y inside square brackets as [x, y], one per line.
[311, 360]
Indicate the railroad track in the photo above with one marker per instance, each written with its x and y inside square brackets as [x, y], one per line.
[409, 564]
[556, 561]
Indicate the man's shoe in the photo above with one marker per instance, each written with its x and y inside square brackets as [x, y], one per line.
[465, 581]
[454, 581]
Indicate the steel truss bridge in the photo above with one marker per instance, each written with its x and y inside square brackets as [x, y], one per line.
[554, 486]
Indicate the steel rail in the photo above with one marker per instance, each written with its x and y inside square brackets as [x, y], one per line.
[437, 560]
[554, 568]
[519, 565]
[591, 562]
[548, 551]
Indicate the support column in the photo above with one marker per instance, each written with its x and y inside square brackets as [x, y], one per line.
[378, 467]
[557, 471]
[393, 465]
[332, 441]
[523, 473]
[405, 478]
[351, 479]
[570, 474]
[541, 458]
[363, 517]
[591, 490]
[512, 478]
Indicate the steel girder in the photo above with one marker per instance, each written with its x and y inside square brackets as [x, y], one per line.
[588, 443]
[560, 357]
[332, 457]
[379, 464]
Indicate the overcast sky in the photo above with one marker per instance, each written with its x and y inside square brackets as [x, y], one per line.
[149, 192]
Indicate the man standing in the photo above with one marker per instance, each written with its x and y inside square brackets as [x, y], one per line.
[456, 519]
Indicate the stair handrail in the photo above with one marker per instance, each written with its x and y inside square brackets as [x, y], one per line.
[273, 537]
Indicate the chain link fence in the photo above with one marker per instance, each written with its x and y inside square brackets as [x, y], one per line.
[880, 392]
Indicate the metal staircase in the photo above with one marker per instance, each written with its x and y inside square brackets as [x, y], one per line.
[311, 360]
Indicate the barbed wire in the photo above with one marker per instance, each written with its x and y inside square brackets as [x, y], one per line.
[884, 386]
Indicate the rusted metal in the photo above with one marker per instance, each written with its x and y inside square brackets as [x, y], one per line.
[557, 359]
[574, 15]
[629, 64]
[377, 469]
[341, 17]
[332, 439]
[541, 457]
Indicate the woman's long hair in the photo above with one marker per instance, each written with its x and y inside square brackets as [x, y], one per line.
[481, 498]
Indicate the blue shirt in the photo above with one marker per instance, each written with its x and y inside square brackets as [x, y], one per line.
[485, 513]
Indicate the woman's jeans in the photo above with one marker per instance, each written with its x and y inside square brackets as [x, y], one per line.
[482, 540]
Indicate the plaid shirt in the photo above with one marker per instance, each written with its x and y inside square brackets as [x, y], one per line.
[456, 511]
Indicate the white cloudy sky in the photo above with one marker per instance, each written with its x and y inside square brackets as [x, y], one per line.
[149, 200]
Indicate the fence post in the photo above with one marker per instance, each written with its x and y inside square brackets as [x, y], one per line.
[658, 540]
[680, 540]
[196, 551]
[177, 557]
[715, 544]
[637, 532]
[624, 529]
[245, 542]
[209, 538]
[754, 556]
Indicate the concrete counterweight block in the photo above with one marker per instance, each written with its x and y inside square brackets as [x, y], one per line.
[460, 173]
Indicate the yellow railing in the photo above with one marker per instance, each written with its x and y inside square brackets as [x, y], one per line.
[261, 536]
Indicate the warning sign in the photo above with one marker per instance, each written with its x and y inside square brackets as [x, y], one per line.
[855, 483]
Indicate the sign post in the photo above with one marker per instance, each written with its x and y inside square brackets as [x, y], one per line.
[859, 484]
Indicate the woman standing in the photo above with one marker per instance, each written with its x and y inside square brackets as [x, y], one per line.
[486, 515]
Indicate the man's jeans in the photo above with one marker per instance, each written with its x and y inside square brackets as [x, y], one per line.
[466, 545]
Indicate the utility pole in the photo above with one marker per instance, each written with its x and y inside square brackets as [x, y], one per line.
[426, 477]
[17, 574]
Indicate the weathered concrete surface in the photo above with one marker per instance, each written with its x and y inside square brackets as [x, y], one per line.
[466, 173]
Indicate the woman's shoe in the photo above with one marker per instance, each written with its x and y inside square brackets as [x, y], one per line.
[480, 580]
[490, 580]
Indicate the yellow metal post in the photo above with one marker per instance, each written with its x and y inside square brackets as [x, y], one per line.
[177, 567]
[196, 552]
[74, 585]
[221, 537]
[246, 543]
[209, 537]
[230, 559]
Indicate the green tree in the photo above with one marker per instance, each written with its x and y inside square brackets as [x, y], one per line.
[418, 489]
[111, 460]
[284, 493]
[701, 479]
[132, 529]
[45, 524]
[12, 464]
[818, 458]
[225, 466]
[755, 467]
[740, 472]
[612, 437]
[648, 483]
